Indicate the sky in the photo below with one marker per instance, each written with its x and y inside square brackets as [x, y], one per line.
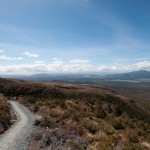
[74, 36]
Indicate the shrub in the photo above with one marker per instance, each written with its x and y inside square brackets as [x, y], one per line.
[90, 126]
[132, 136]
[53, 114]
[117, 124]
[108, 130]
[31, 100]
[105, 143]
[100, 113]
[48, 122]
[134, 146]
[73, 145]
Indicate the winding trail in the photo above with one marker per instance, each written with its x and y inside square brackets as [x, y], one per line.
[15, 138]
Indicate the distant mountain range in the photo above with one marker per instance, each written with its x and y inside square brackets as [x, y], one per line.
[142, 74]
[84, 78]
[60, 77]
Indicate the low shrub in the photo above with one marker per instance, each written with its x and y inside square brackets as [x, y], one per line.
[134, 146]
[90, 126]
[132, 136]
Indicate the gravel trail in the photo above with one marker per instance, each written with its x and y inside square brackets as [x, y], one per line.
[15, 138]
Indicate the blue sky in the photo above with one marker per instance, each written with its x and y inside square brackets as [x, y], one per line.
[74, 36]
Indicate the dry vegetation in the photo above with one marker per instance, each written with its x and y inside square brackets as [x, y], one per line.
[78, 117]
[4, 114]
[140, 92]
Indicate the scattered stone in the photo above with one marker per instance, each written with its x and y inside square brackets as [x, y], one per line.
[50, 139]
[38, 120]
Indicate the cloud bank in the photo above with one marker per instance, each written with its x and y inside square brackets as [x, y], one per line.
[28, 54]
[2, 51]
[4, 57]
[72, 66]
[125, 67]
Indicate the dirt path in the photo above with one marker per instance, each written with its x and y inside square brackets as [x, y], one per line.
[15, 138]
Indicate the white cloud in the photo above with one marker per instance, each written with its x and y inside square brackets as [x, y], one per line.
[79, 65]
[2, 51]
[28, 54]
[57, 59]
[78, 61]
[4, 57]
[141, 59]
[142, 65]
[121, 59]
[56, 66]
[72, 66]
[125, 67]
[39, 62]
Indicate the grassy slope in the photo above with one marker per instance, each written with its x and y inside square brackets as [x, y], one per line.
[94, 114]
[139, 92]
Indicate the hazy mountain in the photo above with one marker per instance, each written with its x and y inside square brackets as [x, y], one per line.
[142, 74]
[84, 78]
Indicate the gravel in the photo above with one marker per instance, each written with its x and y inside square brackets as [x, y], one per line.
[15, 138]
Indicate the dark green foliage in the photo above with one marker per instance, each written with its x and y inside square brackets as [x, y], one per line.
[31, 100]
[100, 113]
[118, 125]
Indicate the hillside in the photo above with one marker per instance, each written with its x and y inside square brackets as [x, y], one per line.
[142, 74]
[85, 78]
[5, 116]
[81, 116]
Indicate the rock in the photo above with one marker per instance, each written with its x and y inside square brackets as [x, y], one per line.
[49, 139]
[38, 120]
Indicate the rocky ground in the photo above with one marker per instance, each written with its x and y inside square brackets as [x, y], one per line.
[58, 139]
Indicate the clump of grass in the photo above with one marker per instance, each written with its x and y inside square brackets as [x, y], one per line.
[53, 114]
[132, 136]
[134, 146]
[91, 126]
[104, 142]
[100, 113]
[49, 122]
[109, 130]
[73, 145]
